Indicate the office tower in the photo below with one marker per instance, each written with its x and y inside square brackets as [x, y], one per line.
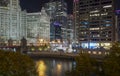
[97, 24]
[118, 24]
[117, 19]
[58, 14]
[69, 29]
[76, 19]
[11, 24]
[119, 27]
[38, 27]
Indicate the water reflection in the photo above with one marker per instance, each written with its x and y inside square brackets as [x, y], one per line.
[53, 67]
[41, 68]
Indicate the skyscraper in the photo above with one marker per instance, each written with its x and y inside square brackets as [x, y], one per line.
[97, 24]
[117, 11]
[70, 29]
[76, 19]
[38, 27]
[57, 11]
[118, 24]
[12, 25]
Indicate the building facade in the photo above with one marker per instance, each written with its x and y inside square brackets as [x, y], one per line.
[76, 19]
[38, 27]
[118, 24]
[12, 25]
[97, 24]
[70, 29]
[119, 27]
[117, 11]
[57, 11]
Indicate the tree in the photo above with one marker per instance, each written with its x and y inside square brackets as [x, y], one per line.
[16, 64]
[111, 63]
[85, 66]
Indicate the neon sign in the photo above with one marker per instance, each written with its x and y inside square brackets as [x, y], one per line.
[117, 11]
[57, 24]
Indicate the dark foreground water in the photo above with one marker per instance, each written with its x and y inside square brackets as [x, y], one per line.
[53, 67]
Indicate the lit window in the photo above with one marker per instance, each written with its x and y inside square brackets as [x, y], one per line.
[104, 14]
[89, 52]
[94, 11]
[95, 15]
[108, 24]
[99, 53]
[94, 52]
[107, 6]
[94, 28]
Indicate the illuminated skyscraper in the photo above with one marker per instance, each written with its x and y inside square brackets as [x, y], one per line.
[117, 11]
[57, 11]
[70, 29]
[38, 26]
[12, 21]
[97, 24]
[119, 27]
[76, 19]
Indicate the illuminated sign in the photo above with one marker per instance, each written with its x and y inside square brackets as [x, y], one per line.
[117, 11]
[57, 24]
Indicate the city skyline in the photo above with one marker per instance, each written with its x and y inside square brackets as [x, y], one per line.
[59, 37]
[94, 23]
[35, 6]
[32, 25]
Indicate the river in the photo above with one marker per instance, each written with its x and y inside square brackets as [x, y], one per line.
[53, 67]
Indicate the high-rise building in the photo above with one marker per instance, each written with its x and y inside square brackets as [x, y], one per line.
[38, 27]
[76, 19]
[117, 19]
[97, 24]
[12, 25]
[70, 29]
[118, 25]
[57, 11]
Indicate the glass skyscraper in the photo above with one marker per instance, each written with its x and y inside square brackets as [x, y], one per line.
[57, 11]
[97, 29]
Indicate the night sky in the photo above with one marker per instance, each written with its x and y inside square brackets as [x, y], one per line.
[35, 5]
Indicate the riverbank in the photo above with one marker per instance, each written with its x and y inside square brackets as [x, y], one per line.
[59, 55]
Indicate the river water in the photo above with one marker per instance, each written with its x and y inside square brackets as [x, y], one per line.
[53, 67]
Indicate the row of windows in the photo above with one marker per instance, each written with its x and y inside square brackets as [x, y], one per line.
[96, 32]
[82, 39]
[95, 1]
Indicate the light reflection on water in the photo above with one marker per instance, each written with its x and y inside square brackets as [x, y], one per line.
[53, 67]
[41, 68]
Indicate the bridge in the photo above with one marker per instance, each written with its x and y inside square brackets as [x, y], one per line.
[62, 55]
[52, 55]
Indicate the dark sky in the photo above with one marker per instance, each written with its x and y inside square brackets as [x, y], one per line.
[35, 5]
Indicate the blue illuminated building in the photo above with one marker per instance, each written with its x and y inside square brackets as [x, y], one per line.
[57, 10]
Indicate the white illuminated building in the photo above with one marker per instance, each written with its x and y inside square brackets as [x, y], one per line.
[38, 27]
[12, 21]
